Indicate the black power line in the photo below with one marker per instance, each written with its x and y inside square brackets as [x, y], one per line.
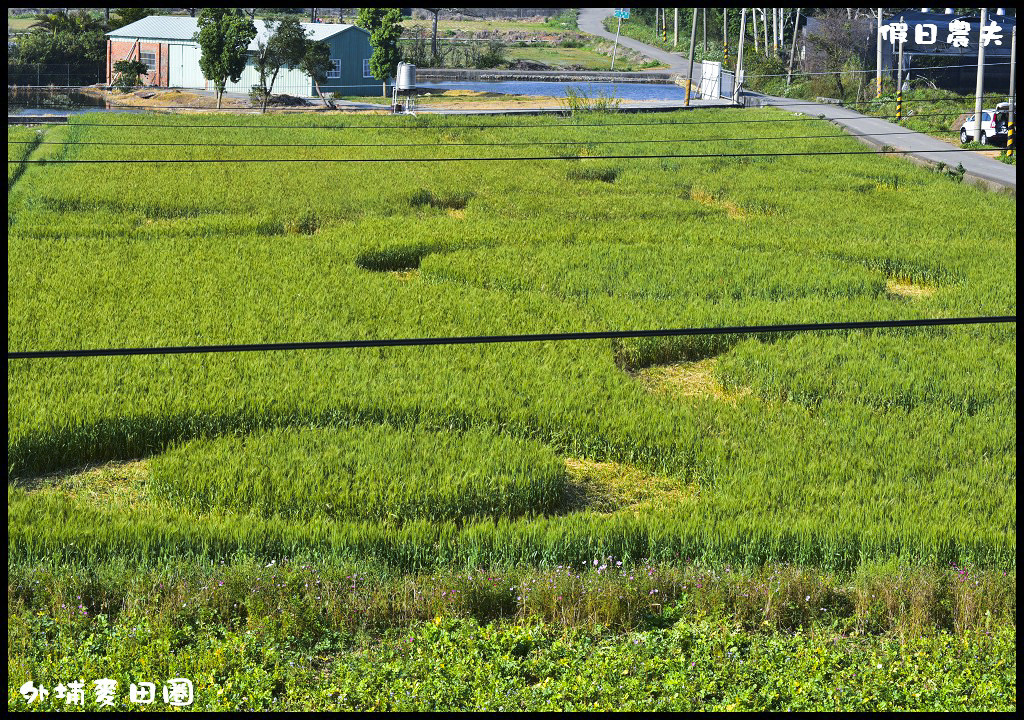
[491, 339]
[253, 161]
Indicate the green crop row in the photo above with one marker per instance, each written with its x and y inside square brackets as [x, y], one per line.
[363, 473]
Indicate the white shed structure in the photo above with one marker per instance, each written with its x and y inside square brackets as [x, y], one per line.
[164, 43]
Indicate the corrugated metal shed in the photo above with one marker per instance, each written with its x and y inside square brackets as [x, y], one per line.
[178, 28]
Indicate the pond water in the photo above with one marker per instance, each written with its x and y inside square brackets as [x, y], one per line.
[45, 101]
[666, 92]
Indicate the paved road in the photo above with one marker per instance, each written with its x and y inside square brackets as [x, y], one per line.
[924, 148]
[590, 22]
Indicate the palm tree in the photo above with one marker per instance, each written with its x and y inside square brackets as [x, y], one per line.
[53, 23]
[60, 21]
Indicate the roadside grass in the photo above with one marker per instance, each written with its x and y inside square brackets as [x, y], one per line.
[458, 28]
[584, 58]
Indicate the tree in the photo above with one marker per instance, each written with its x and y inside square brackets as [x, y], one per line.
[285, 46]
[59, 37]
[130, 74]
[224, 36]
[840, 39]
[385, 27]
[128, 15]
[80, 21]
[316, 62]
[433, 34]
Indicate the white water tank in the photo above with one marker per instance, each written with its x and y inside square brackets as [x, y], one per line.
[406, 79]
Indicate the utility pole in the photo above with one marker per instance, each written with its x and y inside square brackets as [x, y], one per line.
[979, 88]
[704, 51]
[675, 26]
[764, 22]
[725, 34]
[782, 30]
[792, 48]
[693, 42]
[738, 82]
[753, 19]
[775, 32]
[616, 45]
[899, 83]
[664, 28]
[878, 58]
[1013, 93]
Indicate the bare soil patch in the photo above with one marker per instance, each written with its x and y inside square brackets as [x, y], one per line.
[688, 379]
[613, 487]
[705, 198]
[908, 290]
[112, 484]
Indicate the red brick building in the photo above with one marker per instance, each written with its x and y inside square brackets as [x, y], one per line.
[154, 54]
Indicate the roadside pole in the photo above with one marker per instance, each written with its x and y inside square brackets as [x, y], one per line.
[979, 87]
[764, 22]
[899, 84]
[689, 72]
[782, 30]
[775, 31]
[1013, 93]
[738, 82]
[753, 19]
[878, 58]
[664, 28]
[616, 45]
[792, 48]
[675, 27]
[705, 45]
[725, 35]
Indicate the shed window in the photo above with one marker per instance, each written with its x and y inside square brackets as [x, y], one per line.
[335, 71]
[366, 68]
[149, 59]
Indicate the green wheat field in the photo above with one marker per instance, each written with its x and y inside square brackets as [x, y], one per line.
[822, 520]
